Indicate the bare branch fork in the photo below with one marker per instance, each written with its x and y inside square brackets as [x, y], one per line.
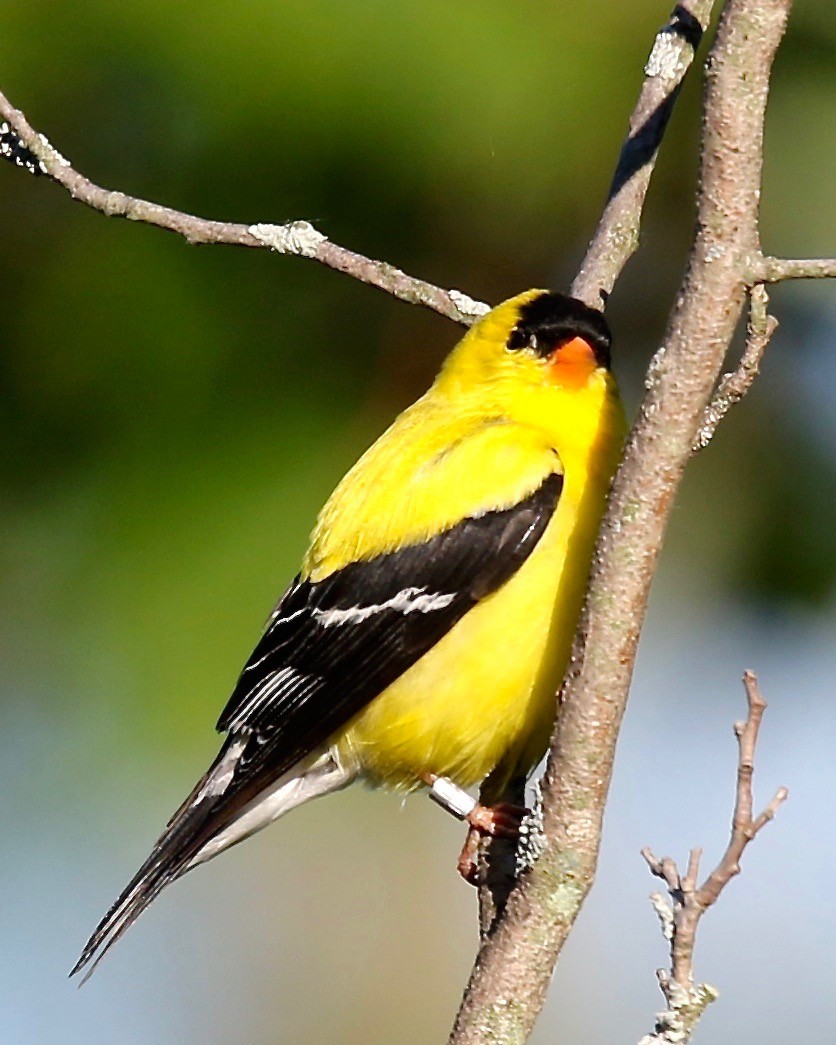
[680, 917]
[734, 386]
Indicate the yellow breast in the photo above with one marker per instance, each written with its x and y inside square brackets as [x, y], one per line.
[484, 696]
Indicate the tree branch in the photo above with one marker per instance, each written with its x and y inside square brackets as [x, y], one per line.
[617, 235]
[688, 903]
[776, 270]
[734, 386]
[22, 145]
[514, 965]
[615, 240]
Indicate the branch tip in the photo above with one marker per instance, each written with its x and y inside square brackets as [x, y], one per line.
[689, 882]
[688, 902]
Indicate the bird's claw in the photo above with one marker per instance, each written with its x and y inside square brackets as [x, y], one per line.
[468, 861]
[500, 821]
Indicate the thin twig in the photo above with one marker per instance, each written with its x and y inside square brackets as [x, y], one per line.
[617, 235]
[744, 825]
[734, 386]
[686, 1001]
[23, 145]
[776, 270]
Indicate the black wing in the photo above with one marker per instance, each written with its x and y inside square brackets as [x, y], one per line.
[334, 645]
[330, 648]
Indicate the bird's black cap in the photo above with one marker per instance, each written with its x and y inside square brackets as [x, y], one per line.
[550, 318]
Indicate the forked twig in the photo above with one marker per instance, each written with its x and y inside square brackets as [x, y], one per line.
[681, 914]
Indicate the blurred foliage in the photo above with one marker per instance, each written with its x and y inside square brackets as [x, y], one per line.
[171, 417]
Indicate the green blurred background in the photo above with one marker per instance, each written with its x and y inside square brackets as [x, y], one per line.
[172, 417]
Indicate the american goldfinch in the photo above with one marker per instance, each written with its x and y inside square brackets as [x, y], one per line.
[423, 640]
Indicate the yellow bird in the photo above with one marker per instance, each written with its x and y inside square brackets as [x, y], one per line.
[425, 636]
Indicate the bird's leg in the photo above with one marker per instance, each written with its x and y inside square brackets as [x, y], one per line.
[502, 820]
[450, 796]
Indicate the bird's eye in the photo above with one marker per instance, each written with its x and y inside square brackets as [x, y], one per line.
[523, 338]
[517, 339]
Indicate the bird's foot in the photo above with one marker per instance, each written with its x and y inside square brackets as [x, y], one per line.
[500, 821]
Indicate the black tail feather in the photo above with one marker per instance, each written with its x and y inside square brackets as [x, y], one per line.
[200, 817]
[167, 861]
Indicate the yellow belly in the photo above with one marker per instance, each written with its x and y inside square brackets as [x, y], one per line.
[484, 696]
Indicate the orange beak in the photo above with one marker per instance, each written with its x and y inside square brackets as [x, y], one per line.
[572, 363]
